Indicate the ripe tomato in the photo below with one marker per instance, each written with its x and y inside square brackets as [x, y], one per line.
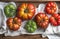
[51, 7]
[58, 21]
[55, 19]
[13, 23]
[26, 11]
[42, 20]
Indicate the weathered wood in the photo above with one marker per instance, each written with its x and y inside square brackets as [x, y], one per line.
[28, 0]
[25, 37]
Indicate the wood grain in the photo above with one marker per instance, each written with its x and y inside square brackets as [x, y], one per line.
[28, 0]
[25, 37]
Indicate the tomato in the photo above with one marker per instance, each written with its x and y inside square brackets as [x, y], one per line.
[58, 21]
[13, 23]
[31, 26]
[55, 19]
[58, 17]
[55, 15]
[51, 7]
[10, 10]
[42, 20]
[15, 27]
[26, 11]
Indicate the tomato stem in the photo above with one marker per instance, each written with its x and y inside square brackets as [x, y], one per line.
[26, 10]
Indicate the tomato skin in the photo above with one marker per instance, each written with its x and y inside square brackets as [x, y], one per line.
[26, 11]
[58, 17]
[15, 27]
[58, 21]
[13, 23]
[53, 21]
[55, 15]
[51, 8]
[42, 20]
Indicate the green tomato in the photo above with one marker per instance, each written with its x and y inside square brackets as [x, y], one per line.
[31, 26]
[10, 10]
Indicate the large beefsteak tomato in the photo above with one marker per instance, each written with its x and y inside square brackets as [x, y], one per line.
[26, 11]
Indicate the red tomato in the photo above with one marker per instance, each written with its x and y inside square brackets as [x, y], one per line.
[58, 21]
[56, 15]
[42, 20]
[55, 19]
[51, 7]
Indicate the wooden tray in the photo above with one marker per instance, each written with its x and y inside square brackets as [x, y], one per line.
[36, 3]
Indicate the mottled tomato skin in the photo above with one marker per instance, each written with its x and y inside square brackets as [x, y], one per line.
[53, 21]
[26, 15]
[13, 23]
[51, 7]
[42, 20]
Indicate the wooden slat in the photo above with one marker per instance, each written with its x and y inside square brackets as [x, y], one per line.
[28, 0]
[25, 37]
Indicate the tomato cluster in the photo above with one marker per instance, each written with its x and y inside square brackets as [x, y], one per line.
[43, 20]
[51, 8]
[26, 11]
